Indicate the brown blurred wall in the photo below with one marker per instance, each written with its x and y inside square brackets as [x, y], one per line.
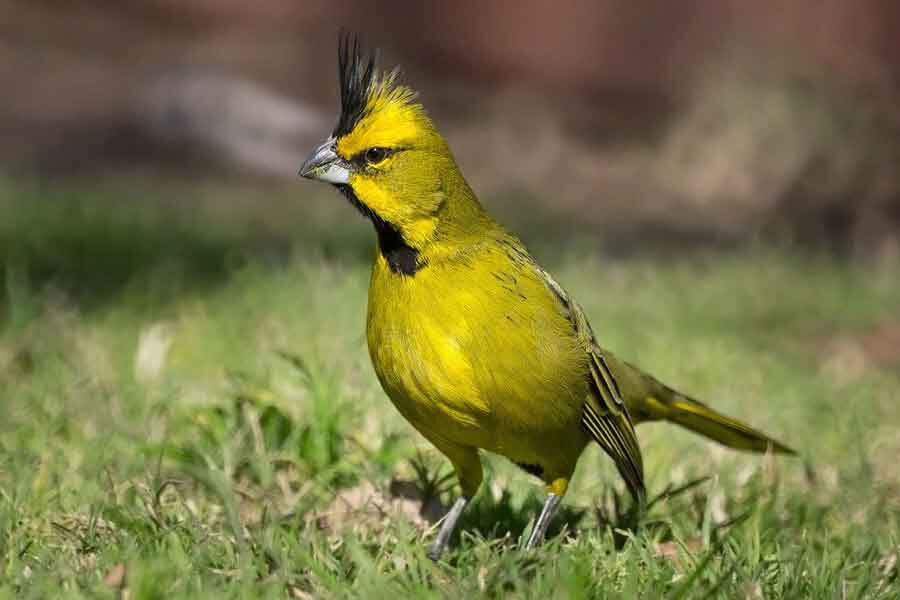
[537, 86]
[63, 64]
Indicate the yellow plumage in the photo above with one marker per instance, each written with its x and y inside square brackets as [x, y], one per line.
[475, 352]
[475, 344]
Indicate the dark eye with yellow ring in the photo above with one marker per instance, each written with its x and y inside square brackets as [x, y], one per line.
[375, 155]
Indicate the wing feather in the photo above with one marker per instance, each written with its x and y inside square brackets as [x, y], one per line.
[605, 416]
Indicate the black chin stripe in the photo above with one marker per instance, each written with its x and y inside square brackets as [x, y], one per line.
[400, 257]
[367, 212]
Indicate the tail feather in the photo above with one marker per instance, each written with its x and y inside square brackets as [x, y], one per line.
[675, 407]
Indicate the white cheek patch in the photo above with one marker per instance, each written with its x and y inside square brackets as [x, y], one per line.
[334, 173]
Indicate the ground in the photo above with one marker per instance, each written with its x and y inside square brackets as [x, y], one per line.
[189, 412]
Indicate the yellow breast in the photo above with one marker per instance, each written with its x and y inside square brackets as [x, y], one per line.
[477, 352]
[419, 352]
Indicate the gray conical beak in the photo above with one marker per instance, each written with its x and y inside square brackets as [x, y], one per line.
[325, 165]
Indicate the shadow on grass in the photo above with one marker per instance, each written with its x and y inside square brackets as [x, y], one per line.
[492, 518]
[97, 245]
[163, 238]
[157, 240]
[615, 511]
[486, 516]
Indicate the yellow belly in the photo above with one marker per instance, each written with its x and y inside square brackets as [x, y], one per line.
[480, 360]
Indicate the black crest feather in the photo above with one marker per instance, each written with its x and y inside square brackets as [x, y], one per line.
[357, 77]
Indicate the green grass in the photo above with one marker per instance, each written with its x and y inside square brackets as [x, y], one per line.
[188, 411]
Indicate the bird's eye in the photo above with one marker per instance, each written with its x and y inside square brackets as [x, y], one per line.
[375, 155]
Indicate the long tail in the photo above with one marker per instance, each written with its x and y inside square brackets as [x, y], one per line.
[667, 404]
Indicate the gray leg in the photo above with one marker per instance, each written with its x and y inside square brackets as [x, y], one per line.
[540, 527]
[449, 524]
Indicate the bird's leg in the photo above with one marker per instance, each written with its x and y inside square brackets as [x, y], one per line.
[540, 526]
[468, 469]
[447, 528]
[556, 489]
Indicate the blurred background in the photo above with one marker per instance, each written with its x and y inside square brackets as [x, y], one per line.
[706, 122]
[181, 317]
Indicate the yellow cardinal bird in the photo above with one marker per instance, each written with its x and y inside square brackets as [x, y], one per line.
[477, 345]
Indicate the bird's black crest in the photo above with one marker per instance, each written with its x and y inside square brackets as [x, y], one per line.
[357, 77]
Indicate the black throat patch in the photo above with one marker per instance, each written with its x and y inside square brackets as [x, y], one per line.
[400, 256]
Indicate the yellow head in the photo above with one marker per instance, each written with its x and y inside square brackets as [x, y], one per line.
[387, 158]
